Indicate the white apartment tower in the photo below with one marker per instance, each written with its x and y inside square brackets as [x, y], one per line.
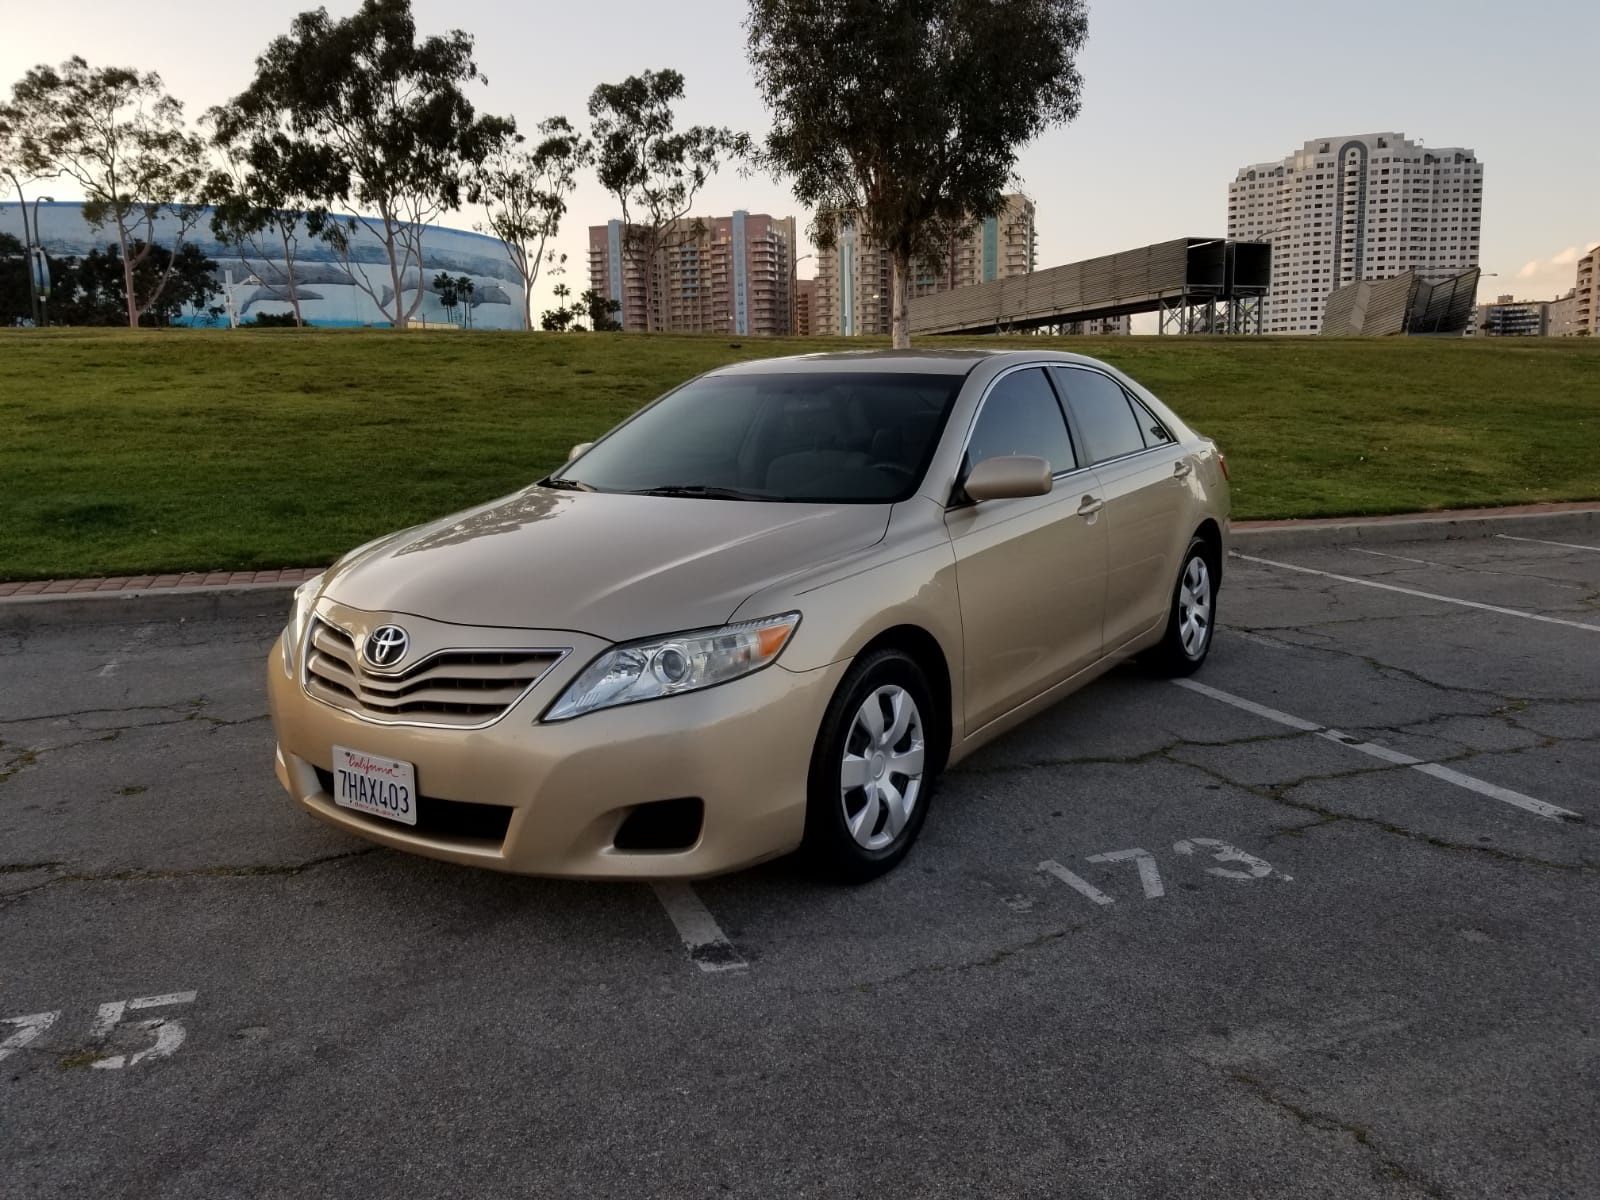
[1343, 209]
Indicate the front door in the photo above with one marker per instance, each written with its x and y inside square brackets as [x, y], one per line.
[1031, 571]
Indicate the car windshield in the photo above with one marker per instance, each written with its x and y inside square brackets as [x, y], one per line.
[801, 437]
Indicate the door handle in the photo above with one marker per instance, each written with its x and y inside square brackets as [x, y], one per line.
[1090, 505]
[1182, 469]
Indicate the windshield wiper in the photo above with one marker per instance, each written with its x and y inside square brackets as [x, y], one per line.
[699, 492]
[566, 485]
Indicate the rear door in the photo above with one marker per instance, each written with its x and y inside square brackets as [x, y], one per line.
[1143, 477]
[1030, 570]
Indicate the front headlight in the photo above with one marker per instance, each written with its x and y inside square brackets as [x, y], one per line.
[679, 662]
[299, 613]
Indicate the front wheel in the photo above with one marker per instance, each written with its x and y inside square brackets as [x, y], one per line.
[872, 769]
[1192, 619]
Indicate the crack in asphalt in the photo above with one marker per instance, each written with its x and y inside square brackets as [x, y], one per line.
[161, 875]
[1506, 712]
[994, 958]
[1411, 569]
[1391, 1167]
[191, 712]
[1142, 756]
[22, 867]
[1278, 794]
[1260, 632]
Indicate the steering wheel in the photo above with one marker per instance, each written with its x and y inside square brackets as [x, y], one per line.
[897, 468]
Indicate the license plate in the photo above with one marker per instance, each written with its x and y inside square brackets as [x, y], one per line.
[379, 787]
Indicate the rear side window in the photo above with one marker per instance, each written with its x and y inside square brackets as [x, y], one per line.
[1104, 414]
[1022, 416]
[1155, 433]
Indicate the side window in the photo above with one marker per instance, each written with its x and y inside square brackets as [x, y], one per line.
[1103, 413]
[1022, 416]
[1155, 433]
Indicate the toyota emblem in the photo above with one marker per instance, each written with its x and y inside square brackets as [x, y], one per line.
[387, 645]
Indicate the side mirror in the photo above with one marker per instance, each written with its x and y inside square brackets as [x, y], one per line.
[580, 448]
[1008, 476]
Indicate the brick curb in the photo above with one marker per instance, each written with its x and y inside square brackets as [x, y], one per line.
[199, 594]
[182, 582]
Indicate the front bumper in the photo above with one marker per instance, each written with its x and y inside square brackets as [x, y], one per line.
[743, 748]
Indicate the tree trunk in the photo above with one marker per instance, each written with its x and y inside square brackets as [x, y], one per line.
[288, 271]
[649, 277]
[127, 279]
[400, 319]
[900, 321]
[654, 252]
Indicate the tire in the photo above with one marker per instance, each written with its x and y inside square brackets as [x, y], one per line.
[850, 830]
[1193, 615]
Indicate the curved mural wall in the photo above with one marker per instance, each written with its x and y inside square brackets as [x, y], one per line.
[327, 297]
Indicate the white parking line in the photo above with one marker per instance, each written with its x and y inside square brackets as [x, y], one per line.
[1374, 750]
[708, 946]
[1075, 881]
[1405, 591]
[1542, 542]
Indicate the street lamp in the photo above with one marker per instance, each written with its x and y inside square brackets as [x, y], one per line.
[39, 281]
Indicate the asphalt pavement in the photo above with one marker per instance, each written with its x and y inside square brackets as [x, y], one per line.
[1321, 924]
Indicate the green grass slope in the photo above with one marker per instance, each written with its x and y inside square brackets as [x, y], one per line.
[164, 450]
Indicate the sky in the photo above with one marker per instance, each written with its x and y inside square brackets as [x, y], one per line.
[1177, 97]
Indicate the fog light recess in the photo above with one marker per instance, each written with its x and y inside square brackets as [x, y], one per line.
[662, 825]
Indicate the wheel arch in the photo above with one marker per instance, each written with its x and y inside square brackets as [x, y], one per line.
[1210, 533]
[921, 646]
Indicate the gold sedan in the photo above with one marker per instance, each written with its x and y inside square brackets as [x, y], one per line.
[760, 615]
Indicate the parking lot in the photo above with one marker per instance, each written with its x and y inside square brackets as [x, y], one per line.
[1320, 922]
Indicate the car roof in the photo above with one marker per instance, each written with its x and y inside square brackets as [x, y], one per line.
[953, 361]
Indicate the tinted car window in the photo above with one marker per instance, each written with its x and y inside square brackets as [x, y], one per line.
[1155, 433]
[1103, 413]
[1022, 416]
[803, 437]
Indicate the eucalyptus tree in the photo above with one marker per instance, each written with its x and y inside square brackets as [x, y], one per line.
[524, 191]
[118, 136]
[378, 120]
[904, 117]
[654, 169]
[257, 208]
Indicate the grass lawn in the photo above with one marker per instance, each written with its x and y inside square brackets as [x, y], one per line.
[164, 450]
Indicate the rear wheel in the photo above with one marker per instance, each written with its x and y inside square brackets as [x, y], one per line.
[872, 769]
[1192, 619]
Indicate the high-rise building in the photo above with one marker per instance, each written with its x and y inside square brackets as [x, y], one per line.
[855, 279]
[1586, 296]
[731, 274]
[1346, 209]
[805, 305]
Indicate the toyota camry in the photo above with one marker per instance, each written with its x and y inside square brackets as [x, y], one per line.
[760, 615]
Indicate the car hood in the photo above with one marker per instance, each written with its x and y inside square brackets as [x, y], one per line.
[610, 565]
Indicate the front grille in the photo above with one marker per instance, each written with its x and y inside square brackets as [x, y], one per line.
[463, 688]
[457, 820]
